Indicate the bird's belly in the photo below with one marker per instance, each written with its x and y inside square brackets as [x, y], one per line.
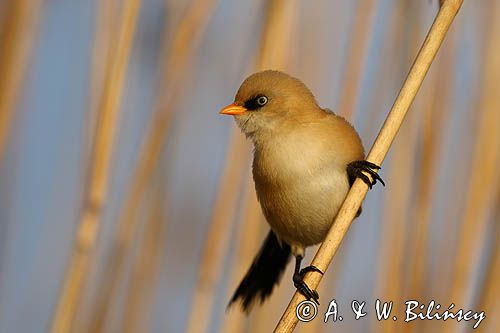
[301, 211]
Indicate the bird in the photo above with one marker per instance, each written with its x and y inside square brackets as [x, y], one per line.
[305, 160]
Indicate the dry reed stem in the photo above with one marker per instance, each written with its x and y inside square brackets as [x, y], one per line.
[99, 173]
[101, 52]
[390, 229]
[217, 239]
[434, 117]
[173, 74]
[436, 120]
[393, 242]
[146, 265]
[444, 272]
[278, 22]
[490, 291]
[104, 32]
[481, 194]
[364, 18]
[434, 103]
[387, 134]
[248, 242]
[394, 227]
[17, 35]
[277, 37]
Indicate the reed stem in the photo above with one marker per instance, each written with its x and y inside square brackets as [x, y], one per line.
[172, 75]
[484, 177]
[145, 269]
[96, 191]
[17, 35]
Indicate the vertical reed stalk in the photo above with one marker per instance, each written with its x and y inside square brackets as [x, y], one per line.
[18, 30]
[488, 297]
[394, 240]
[434, 103]
[96, 191]
[17, 35]
[172, 76]
[484, 176]
[104, 32]
[363, 20]
[395, 227]
[145, 267]
[248, 241]
[217, 239]
[279, 21]
[435, 109]
[386, 136]
[101, 53]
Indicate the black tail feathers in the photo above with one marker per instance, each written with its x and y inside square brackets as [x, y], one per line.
[265, 272]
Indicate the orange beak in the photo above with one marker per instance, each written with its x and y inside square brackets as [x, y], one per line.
[233, 109]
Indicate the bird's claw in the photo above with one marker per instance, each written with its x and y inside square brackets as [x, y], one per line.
[356, 168]
[310, 268]
[302, 287]
[309, 294]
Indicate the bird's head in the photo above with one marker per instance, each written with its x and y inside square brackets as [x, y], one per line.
[268, 100]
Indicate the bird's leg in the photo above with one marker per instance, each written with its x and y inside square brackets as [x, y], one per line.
[355, 170]
[298, 280]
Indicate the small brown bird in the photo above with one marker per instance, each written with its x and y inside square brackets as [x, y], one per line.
[305, 160]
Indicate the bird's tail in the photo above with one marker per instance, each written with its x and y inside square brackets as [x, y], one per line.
[265, 272]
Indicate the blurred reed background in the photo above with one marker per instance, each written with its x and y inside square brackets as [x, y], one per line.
[126, 203]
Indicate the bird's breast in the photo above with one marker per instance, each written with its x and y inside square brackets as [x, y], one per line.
[300, 191]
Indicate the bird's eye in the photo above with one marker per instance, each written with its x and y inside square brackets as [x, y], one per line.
[261, 100]
[256, 103]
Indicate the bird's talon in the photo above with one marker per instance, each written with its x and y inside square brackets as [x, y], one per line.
[356, 169]
[364, 178]
[310, 268]
[304, 289]
[371, 165]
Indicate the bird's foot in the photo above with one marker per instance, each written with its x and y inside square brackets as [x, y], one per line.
[302, 287]
[356, 169]
[310, 268]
